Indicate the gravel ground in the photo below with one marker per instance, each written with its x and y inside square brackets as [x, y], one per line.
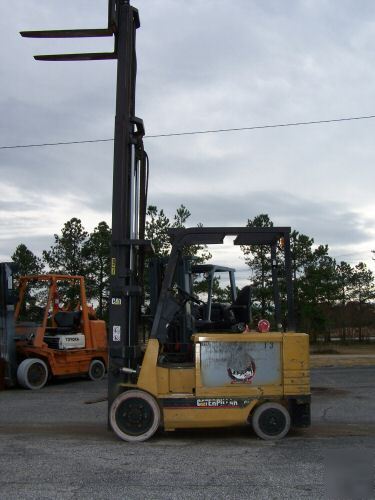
[55, 444]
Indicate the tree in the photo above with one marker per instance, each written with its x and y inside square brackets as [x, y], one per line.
[96, 252]
[319, 291]
[301, 253]
[181, 216]
[258, 258]
[65, 256]
[363, 291]
[345, 282]
[27, 262]
[156, 230]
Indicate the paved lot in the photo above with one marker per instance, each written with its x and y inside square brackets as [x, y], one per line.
[55, 445]
[341, 360]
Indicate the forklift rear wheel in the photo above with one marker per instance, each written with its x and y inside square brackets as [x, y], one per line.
[32, 373]
[96, 370]
[271, 421]
[134, 416]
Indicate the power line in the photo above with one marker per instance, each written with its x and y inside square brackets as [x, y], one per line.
[199, 132]
[349, 254]
[259, 127]
[61, 143]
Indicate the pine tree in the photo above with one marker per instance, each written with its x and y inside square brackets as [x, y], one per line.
[319, 291]
[258, 258]
[96, 251]
[27, 262]
[363, 291]
[65, 256]
[157, 225]
[301, 256]
[345, 282]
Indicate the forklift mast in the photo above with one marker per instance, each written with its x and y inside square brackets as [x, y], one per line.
[130, 177]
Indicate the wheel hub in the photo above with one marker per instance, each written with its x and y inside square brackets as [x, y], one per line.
[272, 422]
[36, 374]
[97, 371]
[134, 416]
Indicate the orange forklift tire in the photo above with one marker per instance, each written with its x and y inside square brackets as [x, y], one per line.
[134, 416]
[32, 373]
[271, 421]
[96, 370]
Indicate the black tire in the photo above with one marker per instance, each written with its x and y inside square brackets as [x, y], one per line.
[134, 416]
[96, 370]
[32, 373]
[271, 421]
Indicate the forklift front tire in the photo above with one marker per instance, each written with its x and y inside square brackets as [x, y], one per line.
[32, 373]
[134, 416]
[271, 421]
[96, 370]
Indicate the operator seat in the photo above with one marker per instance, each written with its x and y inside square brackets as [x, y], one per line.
[241, 307]
[66, 321]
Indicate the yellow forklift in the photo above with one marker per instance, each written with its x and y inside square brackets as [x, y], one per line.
[217, 371]
[193, 373]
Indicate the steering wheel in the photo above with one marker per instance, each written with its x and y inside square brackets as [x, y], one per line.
[188, 296]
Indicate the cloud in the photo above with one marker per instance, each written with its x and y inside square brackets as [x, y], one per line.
[328, 223]
[201, 65]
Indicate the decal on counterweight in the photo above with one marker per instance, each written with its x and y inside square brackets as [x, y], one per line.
[244, 376]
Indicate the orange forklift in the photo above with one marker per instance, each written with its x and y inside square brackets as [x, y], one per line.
[54, 339]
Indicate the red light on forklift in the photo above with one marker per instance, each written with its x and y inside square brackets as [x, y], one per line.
[264, 326]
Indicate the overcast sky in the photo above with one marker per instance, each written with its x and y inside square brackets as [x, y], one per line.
[201, 65]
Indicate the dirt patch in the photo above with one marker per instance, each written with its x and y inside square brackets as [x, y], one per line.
[343, 349]
[329, 391]
[57, 430]
[323, 430]
[94, 401]
[341, 360]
